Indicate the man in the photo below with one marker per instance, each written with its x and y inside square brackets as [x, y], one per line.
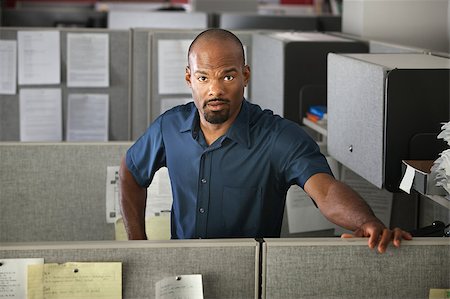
[231, 163]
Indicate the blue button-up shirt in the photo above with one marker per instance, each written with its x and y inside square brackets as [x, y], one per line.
[235, 187]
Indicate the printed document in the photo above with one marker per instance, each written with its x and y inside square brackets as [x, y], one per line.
[13, 277]
[87, 117]
[8, 69]
[380, 200]
[39, 57]
[40, 114]
[75, 280]
[87, 60]
[172, 62]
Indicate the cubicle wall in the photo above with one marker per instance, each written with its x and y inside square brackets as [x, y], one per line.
[280, 268]
[229, 268]
[119, 90]
[55, 191]
[286, 62]
[342, 268]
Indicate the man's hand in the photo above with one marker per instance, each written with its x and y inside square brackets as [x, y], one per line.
[379, 235]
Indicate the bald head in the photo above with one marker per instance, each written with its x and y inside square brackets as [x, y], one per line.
[220, 36]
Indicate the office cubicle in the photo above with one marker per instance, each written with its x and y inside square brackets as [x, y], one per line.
[395, 117]
[56, 191]
[286, 62]
[229, 268]
[347, 268]
[118, 89]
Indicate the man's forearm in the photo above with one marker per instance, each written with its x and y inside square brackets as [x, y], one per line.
[132, 201]
[346, 208]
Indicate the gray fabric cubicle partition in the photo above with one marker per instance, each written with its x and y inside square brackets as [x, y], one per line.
[55, 191]
[119, 89]
[347, 268]
[141, 82]
[229, 268]
[283, 65]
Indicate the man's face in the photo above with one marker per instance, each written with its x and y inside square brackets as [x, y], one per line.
[217, 77]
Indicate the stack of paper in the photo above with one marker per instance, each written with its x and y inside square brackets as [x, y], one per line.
[441, 167]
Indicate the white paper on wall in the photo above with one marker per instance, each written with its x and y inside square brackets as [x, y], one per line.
[39, 57]
[8, 69]
[87, 60]
[40, 114]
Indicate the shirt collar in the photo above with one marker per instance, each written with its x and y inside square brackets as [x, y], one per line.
[239, 130]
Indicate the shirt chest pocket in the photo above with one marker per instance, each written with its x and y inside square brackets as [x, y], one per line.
[241, 211]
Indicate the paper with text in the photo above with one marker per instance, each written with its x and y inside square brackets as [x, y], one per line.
[87, 117]
[159, 193]
[302, 214]
[112, 194]
[8, 69]
[87, 60]
[172, 61]
[180, 287]
[39, 57]
[13, 277]
[40, 114]
[380, 200]
[75, 281]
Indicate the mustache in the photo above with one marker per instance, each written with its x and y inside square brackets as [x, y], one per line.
[216, 100]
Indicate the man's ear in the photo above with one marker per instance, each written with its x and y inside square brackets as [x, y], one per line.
[246, 73]
[187, 76]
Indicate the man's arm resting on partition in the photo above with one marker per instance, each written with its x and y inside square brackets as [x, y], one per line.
[132, 201]
[343, 206]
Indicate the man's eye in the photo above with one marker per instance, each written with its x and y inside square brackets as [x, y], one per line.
[229, 78]
[201, 78]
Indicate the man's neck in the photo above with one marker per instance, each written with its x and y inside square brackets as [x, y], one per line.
[213, 131]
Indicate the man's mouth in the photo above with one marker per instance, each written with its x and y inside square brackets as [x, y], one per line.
[216, 104]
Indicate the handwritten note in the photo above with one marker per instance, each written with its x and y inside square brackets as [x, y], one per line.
[13, 277]
[75, 281]
[180, 287]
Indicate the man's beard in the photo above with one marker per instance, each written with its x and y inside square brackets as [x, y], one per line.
[216, 117]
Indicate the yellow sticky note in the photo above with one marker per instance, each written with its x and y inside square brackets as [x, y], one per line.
[439, 294]
[156, 228]
[75, 281]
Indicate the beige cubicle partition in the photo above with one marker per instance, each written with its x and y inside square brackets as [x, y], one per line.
[347, 268]
[56, 191]
[229, 268]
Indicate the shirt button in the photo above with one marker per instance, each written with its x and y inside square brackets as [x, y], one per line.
[201, 210]
[203, 181]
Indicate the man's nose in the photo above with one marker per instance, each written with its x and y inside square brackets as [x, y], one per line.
[216, 88]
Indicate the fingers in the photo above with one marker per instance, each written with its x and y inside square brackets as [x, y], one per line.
[398, 235]
[380, 238]
[385, 239]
